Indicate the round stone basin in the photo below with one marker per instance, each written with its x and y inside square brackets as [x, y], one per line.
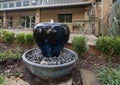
[50, 71]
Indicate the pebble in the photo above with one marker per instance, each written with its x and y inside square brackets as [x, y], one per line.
[36, 57]
[44, 62]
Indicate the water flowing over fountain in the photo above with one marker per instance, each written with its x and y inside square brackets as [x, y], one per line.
[50, 59]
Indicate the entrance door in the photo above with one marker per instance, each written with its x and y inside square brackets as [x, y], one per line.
[27, 21]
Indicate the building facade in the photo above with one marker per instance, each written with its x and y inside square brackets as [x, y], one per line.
[27, 13]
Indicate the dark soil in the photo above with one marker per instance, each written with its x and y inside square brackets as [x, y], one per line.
[17, 67]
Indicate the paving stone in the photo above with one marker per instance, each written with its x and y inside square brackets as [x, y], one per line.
[15, 81]
[89, 78]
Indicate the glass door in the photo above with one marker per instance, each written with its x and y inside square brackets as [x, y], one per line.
[23, 20]
[27, 21]
[1, 21]
[10, 22]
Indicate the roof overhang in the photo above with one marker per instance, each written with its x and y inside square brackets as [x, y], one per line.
[48, 6]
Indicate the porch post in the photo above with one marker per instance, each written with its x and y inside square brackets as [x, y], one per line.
[37, 18]
[97, 16]
[5, 23]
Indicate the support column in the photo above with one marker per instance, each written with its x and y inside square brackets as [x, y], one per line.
[37, 20]
[97, 16]
[106, 9]
[5, 20]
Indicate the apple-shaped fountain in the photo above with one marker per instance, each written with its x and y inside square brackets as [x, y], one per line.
[50, 59]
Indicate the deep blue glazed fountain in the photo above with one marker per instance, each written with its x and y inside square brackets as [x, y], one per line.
[50, 60]
[51, 38]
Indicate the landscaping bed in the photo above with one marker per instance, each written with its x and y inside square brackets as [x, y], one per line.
[105, 53]
[16, 67]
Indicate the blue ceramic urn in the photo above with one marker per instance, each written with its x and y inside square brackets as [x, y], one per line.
[51, 37]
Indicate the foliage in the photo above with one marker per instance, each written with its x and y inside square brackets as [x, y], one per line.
[16, 53]
[20, 38]
[17, 74]
[2, 80]
[79, 44]
[11, 54]
[76, 26]
[105, 45]
[115, 19]
[109, 45]
[92, 18]
[109, 76]
[29, 39]
[0, 34]
[8, 36]
[116, 46]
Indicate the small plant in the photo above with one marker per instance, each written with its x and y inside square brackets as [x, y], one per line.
[29, 39]
[3, 56]
[18, 53]
[11, 54]
[17, 74]
[79, 44]
[105, 45]
[117, 46]
[76, 27]
[109, 76]
[2, 80]
[8, 37]
[20, 38]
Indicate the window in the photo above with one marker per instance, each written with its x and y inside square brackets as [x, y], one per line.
[0, 6]
[22, 20]
[10, 22]
[27, 21]
[44, 2]
[11, 5]
[5, 5]
[34, 2]
[18, 4]
[26, 3]
[65, 17]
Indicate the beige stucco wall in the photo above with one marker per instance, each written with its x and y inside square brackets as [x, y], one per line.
[78, 13]
[46, 14]
[16, 16]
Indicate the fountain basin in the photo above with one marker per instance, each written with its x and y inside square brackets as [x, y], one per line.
[50, 71]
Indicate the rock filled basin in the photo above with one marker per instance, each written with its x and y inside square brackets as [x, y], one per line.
[53, 67]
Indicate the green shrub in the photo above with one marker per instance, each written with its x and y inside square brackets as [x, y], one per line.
[79, 45]
[20, 38]
[0, 35]
[109, 76]
[11, 54]
[117, 46]
[8, 37]
[3, 56]
[18, 54]
[105, 45]
[29, 40]
[2, 80]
